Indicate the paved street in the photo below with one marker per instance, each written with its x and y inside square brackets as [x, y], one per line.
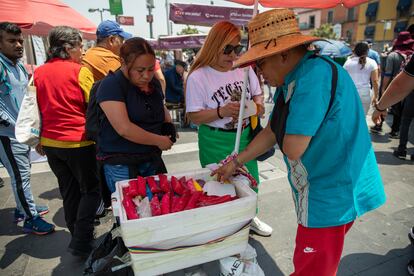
[376, 245]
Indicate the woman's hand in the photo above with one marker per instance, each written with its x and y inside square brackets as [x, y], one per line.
[39, 150]
[376, 116]
[230, 110]
[164, 143]
[260, 110]
[225, 172]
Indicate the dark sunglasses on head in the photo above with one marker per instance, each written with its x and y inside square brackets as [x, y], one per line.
[230, 48]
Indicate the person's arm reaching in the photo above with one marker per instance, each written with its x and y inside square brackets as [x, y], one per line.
[374, 81]
[400, 87]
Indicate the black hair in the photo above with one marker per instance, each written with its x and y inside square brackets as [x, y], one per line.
[60, 39]
[133, 48]
[10, 28]
[361, 50]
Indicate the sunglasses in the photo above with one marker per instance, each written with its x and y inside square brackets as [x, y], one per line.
[230, 48]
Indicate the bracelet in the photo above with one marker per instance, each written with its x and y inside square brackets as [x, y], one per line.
[377, 108]
[237, 162]
[218, 112]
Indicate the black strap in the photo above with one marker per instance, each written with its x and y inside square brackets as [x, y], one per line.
[334, 81]
[281, 109]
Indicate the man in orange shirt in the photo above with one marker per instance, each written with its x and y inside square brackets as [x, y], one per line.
[105, 56]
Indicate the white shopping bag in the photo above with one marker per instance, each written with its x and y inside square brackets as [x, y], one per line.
[243, 265]
[27, 128]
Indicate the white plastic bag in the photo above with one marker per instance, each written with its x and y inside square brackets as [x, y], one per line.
[27, 128]
[243, 265]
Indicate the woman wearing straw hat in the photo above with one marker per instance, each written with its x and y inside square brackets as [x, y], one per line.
[213, 92]
[331, 164]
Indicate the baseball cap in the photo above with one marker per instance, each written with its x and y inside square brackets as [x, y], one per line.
[108, 27]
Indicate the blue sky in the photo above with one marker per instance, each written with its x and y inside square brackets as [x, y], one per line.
[137, 9]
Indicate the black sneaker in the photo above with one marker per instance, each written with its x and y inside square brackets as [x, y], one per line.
[411, 235]
[410, 267]
[1, 182]
[401, 154]
[376, 129]
[394, 135]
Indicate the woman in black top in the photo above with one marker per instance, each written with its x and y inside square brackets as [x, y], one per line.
[132, 134]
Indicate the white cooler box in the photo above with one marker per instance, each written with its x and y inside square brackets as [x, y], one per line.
[175, 241]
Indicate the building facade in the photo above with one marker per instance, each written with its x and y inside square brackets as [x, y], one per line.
[382, 20]
[346, 19]
[309, 19]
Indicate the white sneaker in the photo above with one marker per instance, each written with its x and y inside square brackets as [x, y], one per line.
[260, 228]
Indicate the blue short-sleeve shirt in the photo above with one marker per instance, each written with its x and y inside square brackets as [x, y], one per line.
[337, 177]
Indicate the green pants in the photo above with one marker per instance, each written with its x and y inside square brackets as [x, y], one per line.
[216, 145]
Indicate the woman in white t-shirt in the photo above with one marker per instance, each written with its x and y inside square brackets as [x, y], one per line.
[363, 71]
[213, 91]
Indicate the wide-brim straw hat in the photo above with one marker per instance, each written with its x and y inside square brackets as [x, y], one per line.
[272, 32]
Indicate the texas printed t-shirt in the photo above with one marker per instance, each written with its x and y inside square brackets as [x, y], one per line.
[208, 88]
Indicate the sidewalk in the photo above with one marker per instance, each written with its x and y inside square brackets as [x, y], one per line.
[376, 245]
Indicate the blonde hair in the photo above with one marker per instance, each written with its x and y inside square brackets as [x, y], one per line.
[220, 35]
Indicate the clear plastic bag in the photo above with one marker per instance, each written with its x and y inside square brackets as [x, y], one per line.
[243, 265]
[144, 208]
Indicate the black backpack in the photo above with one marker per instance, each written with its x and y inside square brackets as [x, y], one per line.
[94, 113]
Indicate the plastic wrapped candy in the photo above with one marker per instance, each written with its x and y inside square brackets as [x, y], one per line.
[130, 208]
[166, 204]
[192, 202]
[133, 187]
[177, 186]
[182, 202]
[155, 206]
[213, 200]
[142, 190]
[144, 208]
[183, 182]
[174, 202]
[125, 191]
[153, 185]
[164, 185]
[190, 185]
[197, 186]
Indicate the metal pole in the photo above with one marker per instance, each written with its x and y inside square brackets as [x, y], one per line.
[243, 96]
[150, 23]
[167, 11]
[101, 12]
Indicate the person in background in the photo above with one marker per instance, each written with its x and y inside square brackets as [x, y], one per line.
[320, 127]
[402, 49]
[15, 156]
[63, 87]
[213, 92]
[175, 83]
[104, 57]
[363, 71]
[372, 53]
[400, 88]
[100, 60]
[137, 126]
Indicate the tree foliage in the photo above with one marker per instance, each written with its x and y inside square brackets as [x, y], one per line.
[188, 30]
[325, 31]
